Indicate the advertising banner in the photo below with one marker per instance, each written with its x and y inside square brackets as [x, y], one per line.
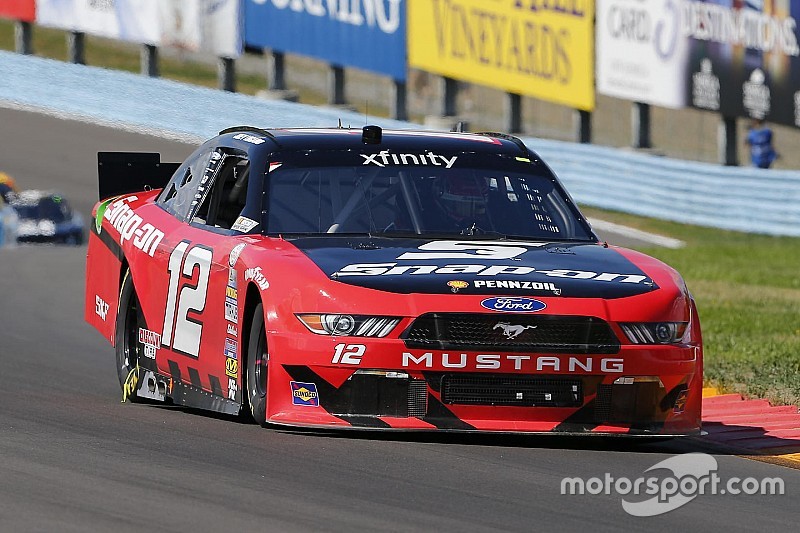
[24, 10]
[744, 58]
[366, 34]
[127, 20]
[641, 51]
[202, 26]
[543, 49]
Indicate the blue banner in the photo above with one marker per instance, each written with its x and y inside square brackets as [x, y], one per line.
[365, 34]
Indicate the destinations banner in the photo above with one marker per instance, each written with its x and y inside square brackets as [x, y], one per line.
[538, 48]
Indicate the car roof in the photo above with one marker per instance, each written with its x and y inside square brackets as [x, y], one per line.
[356, 139]
[33, 196]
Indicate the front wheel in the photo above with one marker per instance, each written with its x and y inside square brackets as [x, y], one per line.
[257, 366]
[129, 318]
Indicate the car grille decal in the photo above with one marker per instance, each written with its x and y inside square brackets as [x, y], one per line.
[194, 378]
[174, 371]
[215, 387]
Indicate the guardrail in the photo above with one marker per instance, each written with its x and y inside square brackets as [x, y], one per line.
[744, 199]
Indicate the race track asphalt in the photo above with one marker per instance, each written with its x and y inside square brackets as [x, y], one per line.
[74, 458]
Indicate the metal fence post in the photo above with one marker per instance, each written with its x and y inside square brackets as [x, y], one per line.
[399, 109]
[149, 60]
[640, 122]
[583, 126]
[336, 85]
[726, 142]
[513, 113]
[449, 97]
[226, 74]
[276, 71]
[76, 47]
[23, 33]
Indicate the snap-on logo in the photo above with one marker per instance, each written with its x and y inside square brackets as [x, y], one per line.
[513, 305]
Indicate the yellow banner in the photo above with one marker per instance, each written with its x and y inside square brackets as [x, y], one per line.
[538, 48]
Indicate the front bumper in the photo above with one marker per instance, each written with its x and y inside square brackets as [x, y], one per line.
[654, 391]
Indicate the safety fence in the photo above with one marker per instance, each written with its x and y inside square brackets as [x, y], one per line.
[744, 199]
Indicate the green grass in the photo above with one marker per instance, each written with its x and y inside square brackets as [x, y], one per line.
[747, 289]
[747, 286]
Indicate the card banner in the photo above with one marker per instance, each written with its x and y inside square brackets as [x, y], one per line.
[365, 34]
[538, 48]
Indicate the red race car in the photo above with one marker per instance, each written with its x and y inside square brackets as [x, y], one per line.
[362, 278]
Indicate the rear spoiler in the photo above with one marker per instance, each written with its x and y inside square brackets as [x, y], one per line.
[126, 172]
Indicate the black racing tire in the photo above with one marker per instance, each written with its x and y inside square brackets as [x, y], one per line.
[129, 319]
[257, 367]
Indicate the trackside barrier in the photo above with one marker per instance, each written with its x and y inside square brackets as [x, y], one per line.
[744, 199]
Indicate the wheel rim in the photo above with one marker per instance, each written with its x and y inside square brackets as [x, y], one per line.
[261, 367]
[130, 342]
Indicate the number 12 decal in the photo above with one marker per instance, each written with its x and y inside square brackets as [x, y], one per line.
[186, 338]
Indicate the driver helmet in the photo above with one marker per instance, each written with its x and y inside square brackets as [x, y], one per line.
[8, 187]
[461, 197]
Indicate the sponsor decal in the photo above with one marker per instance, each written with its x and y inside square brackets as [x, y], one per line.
[457, 285]
[512, 330]
[151, 342]
[304, 394]
[255, 275]
[231, 367]
[100, 307]
[231, 292]
[514, 284]
[232, 278]
[516, 362]
[232, 331]
[130, 226]
[244, 224]
[384, 158]
[231, 310]
[235, 253]
[274, 166]
[231, 348]
[249, 138]
[232, 388]
[510, 304]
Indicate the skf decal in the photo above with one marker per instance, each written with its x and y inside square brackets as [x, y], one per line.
[456, 285]
[232, 388]
[519, 363]
[304, 394]
[100, 307]
[151, 342]
[235, 253]
[509, 304]
[384, 158]
[255, 275]
[231, 348]
[129, 225]
[231, 367]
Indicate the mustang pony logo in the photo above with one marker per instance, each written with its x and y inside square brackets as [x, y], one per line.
[511, 330]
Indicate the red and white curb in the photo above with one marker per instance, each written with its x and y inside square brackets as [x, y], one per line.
[753, 427]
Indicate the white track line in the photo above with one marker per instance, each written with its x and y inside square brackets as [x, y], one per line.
[659, 240]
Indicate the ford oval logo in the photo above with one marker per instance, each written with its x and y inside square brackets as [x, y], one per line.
[507, 304]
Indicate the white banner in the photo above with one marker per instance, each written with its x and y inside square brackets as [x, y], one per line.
[642, 51]
[202, 26]
[197, 25]
[126, 20]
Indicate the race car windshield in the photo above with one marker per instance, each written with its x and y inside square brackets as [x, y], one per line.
[417, 200]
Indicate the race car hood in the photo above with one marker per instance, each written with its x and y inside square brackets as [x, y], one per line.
[405, 266]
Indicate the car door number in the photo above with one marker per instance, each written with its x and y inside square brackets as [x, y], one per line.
[181, 332]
